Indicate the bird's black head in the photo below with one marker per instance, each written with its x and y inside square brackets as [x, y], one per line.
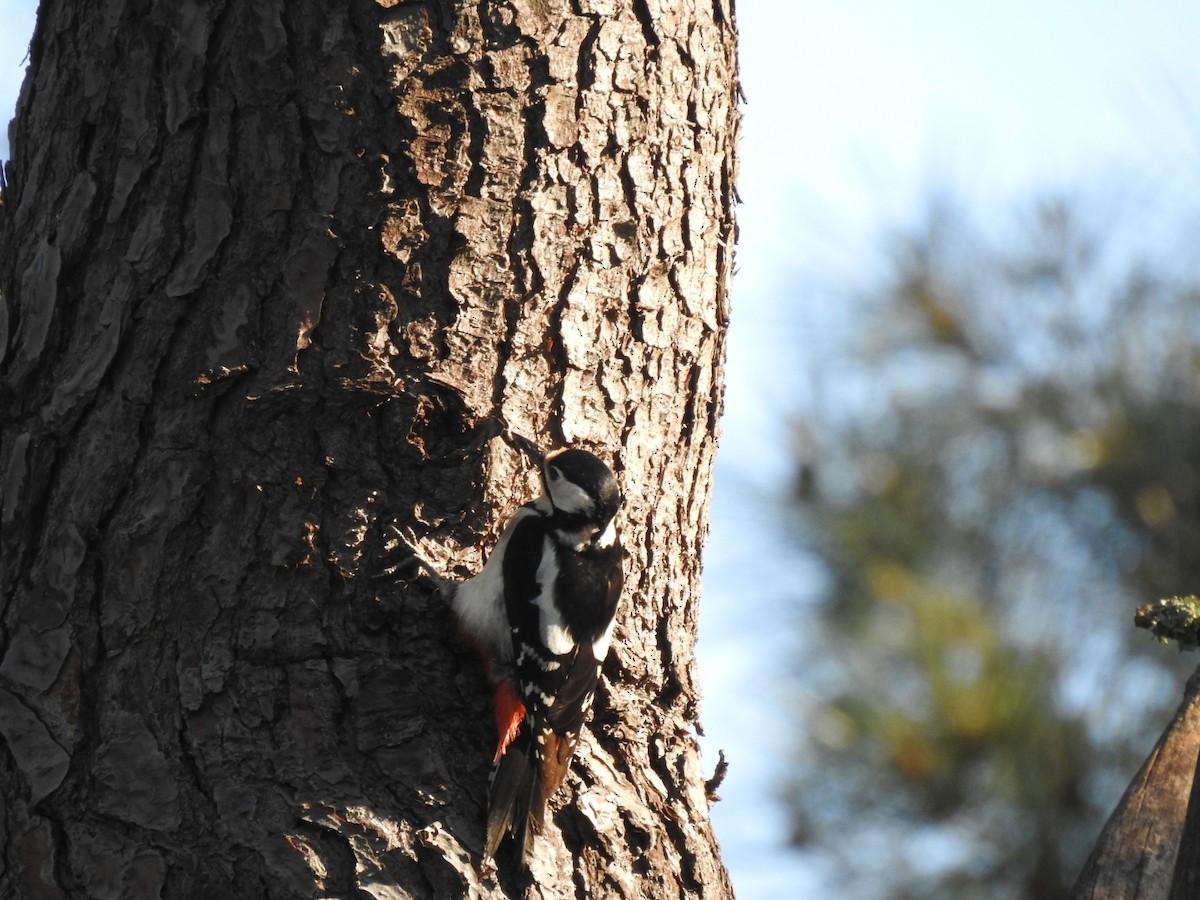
[581, 487]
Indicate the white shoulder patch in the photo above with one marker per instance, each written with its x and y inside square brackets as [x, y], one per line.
[554, 632]
[600, 645]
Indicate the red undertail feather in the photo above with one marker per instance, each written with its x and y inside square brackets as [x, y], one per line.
[510, 712]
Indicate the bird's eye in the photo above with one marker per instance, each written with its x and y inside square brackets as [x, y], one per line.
[554, 473]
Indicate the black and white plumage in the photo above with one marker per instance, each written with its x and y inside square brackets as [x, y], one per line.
[543, 610]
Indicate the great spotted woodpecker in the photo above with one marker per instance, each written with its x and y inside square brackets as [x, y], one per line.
[542, 612]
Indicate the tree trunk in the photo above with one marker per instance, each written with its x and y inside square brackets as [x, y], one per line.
[268, 269]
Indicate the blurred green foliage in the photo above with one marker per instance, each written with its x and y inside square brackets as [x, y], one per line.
[1013, 467]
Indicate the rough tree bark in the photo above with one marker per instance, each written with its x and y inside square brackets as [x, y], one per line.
[267, 270]
[1150, 847]
[1134, 857]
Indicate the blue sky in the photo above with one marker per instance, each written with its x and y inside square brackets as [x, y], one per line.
[856, 111]
[18, 18]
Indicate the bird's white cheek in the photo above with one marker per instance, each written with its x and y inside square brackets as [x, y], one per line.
[570, 498]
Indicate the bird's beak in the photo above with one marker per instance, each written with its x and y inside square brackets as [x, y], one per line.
[528, 447]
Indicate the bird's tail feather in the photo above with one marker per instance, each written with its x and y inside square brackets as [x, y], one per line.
[511, 796]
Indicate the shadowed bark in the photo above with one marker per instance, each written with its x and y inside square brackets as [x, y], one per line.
[269, 271]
